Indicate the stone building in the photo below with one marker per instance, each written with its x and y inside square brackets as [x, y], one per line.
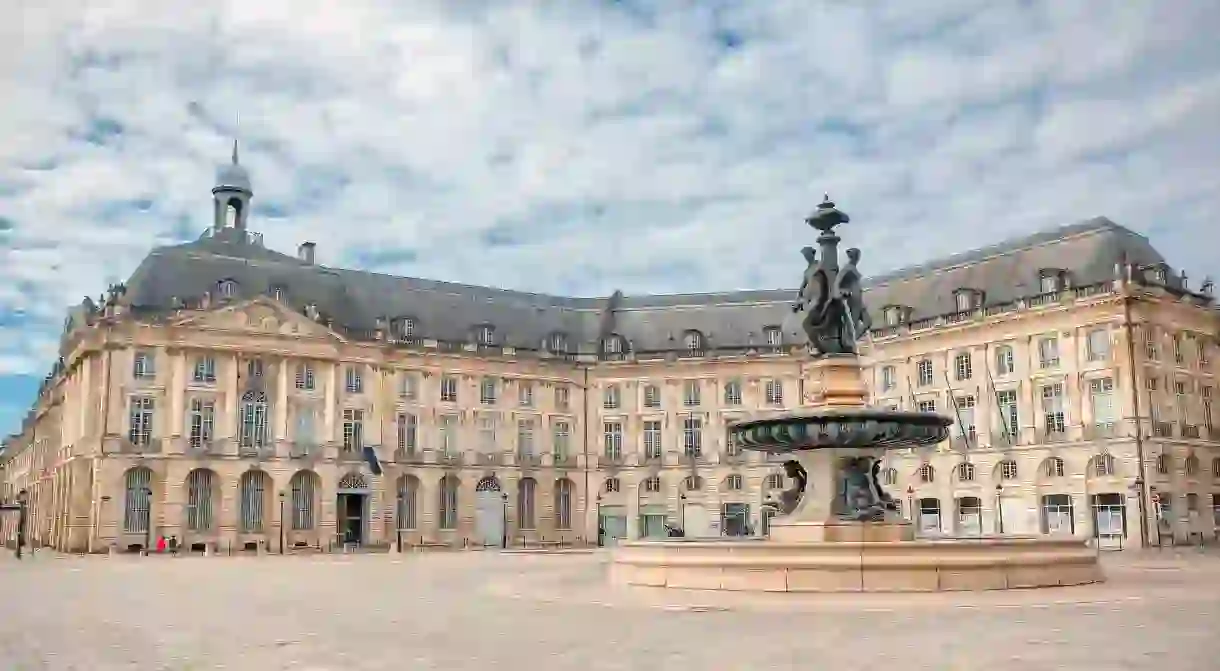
[230, 394]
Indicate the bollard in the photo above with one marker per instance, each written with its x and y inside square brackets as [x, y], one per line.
[112, 550]
[207, 549]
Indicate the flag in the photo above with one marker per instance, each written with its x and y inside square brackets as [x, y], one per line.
[370, 458]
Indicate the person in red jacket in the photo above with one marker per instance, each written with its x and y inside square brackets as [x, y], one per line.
[161, 545]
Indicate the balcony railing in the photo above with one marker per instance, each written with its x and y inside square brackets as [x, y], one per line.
[528, 460]
[256, 451]
[610, 459]
[408, 456]
[489, 458]
[206, 448]
[563, 461]
[300, 449]
[1190, 431]
[450, 458]
[124, 446]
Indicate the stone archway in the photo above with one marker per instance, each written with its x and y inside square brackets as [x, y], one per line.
[352, 501]
[490, 512]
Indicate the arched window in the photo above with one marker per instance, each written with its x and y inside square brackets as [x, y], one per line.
[557, 343]
[199, 499]
[1192, 465]
[304, 488]
[889, 476]
[1053, 468]
[525, 503]
[137, 500]
[449, 502]
[693, 483]
[652, 485]
[563, 503]
[613, 347]
[965, 472]
[1008, 469]
[1103, 465]
[927, 474]
[693, 342]
[253, 419]
[613, 485]
[253, 491]
[226, 288]
[485, 334]
[406, 511]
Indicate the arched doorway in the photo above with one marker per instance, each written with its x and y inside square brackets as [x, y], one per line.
[351, 508]
[489, 512]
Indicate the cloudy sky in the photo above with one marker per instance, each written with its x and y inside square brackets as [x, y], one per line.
[586, 145]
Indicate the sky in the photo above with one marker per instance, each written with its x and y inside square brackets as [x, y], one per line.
[584, 146]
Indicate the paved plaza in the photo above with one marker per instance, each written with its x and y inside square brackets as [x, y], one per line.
[490, 610]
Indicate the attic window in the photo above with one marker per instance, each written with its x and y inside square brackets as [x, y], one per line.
[1158, 273]
[773, 336]
[405, 327]
[967, 299]
[693, 342]
[1051, 280]
[485, 334]
[277, 292]
[226, 288]
[894, 314]
[612, 346]
[557, 343]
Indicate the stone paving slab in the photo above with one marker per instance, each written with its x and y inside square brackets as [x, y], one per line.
[491, 610]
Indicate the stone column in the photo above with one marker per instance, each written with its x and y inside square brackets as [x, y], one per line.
[280, 404]
[177, 390]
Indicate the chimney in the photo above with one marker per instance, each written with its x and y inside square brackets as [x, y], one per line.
[305, 252]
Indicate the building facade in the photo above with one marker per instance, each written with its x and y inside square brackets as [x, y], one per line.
[231, 395]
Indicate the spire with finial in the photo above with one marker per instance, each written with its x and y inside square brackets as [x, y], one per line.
[235, 151]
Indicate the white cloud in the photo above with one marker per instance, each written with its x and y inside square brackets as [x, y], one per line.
[613, 147]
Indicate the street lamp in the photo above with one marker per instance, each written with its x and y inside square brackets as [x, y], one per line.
[600, 531]
[281, 521]
[999, 508]
[22, 500]
[504, 521]
[1139, 495]
[682, 513]
[911, 503]
[147, 491]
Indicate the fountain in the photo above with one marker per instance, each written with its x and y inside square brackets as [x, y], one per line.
[837, 530]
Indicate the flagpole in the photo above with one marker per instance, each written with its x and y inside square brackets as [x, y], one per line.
[956, 411]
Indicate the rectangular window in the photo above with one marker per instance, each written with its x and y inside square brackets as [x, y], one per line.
[690, 393]
[965, 415]
[888, 378]
[774, 392]
[305, 377]
[1179, 401]
[613, 439]
[1097, 344]
[1050, 284]
[449, 389]
[1177, 350]
[408, 428]
[408, 386]
[525, 394]
[353, 380]
[525, 437]
[560, 447]
[927, 406]
[652, 439]
[141, 411]
[923, 370]
[652, 396]
[1101, 401]
[353, 430]
[1151, 349]
[692, 436]
[562, 397]
[1205, 393]
[610, 397]
[487, 434]
[487, 391]
[205, 370]
[202, 421]
[1005, 361]
[143, 366]
[1052, 408]
[962, 367]
[447, 433]
[774, 336]
[1006, 404]
[1048, 352]
[732, 392]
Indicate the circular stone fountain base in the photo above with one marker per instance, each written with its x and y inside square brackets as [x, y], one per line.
[950, 564]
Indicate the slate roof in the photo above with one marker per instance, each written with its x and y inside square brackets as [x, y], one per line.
[449, 311]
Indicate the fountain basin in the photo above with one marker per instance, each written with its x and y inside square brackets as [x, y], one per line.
[922, 565]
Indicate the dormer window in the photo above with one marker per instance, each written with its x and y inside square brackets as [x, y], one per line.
[485, 334]
[693, 342]
[277, 292]
[557, 343]
[613, 346]
[1051, 280]
[894, 314]
[226, 288]
[773, 336]
[1158, 273]
[404, 327]
[967, 299]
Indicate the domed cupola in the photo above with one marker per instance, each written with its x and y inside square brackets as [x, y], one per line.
[231, 195]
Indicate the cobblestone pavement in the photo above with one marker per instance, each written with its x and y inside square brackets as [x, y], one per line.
[495, 611]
